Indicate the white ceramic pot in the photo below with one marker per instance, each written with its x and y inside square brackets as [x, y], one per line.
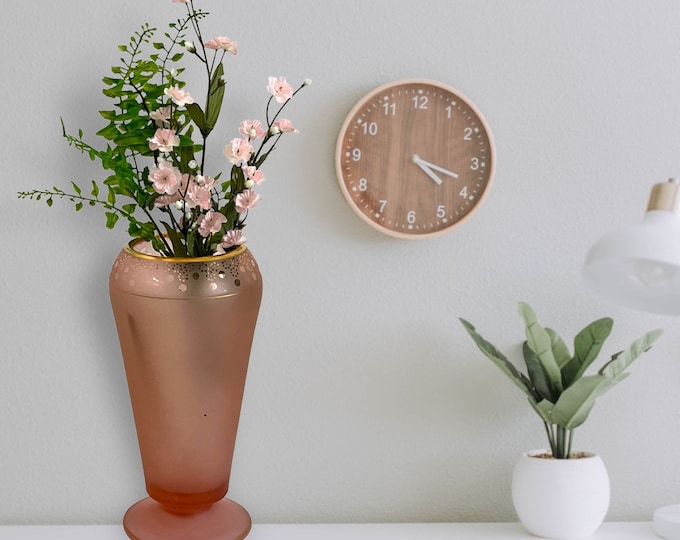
[560, 498]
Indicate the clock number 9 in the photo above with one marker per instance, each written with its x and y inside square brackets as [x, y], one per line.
[356, 154]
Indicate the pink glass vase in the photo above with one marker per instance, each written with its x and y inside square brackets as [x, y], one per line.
[185, 328]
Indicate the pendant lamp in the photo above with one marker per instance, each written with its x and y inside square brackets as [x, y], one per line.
[639, 266]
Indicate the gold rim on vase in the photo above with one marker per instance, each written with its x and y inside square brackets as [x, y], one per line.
[129, 248]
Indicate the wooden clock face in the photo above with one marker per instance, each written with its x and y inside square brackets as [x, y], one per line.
[414, 158]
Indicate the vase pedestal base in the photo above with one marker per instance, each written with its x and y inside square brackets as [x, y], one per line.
[224, 520]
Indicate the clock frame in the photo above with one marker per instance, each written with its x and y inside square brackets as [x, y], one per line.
[415, 158]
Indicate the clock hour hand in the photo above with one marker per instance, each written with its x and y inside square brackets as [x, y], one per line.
[435, 167]
[422, 164]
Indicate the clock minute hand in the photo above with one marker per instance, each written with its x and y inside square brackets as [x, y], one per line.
[422, 164]
[436, 167]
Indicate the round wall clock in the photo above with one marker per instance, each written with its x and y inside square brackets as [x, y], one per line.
[414, 158]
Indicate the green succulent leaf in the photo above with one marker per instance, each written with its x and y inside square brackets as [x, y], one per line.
[587, 345]
[615, 368]
[576, 402]
[544, 409]
[507, 367]
[538, 375]
[540, 342]
[559, 348]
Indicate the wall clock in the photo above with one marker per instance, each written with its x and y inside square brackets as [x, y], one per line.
[414, 158]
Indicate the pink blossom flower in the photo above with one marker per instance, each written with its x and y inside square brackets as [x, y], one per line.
[166, 200]
[166, 178]
[198, 195]
[238, 150]
[285, 126]
[164, 140]
[280, 89]
[246, 200]
[252, 129]
[206, 181]
[210, 223]
[161, 115]
[223, 43]
[254, 174]
[230, 239]
[180, 97]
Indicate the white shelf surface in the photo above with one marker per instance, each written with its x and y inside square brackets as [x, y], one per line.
[373, 531]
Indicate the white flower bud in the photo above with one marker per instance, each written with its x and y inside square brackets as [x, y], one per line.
[307, 82]
[200, 179]
[249, 184]
[189, 46]
[274, 130]
[192, 164]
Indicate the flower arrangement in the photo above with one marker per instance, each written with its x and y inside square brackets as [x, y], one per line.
[556, 386]
[173, 199]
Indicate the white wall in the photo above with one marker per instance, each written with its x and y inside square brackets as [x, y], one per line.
[366, 401]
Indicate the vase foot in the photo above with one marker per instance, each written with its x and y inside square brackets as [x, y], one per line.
[224, 520]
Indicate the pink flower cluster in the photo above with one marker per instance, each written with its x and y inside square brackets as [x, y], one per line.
[195, 196]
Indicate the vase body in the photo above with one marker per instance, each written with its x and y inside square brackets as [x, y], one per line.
[185, 328]
[560, 498]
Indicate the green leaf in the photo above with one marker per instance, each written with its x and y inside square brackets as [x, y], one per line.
[538, 375]
[196, 114]
[493, 354]
[215, 97]
[543, 409]
[615, 368]
[79, 206]
[76, 188]
[559, 349]
[108, 115]
[587, 345]
[48, 201]
[540, 342]
[95, 189]
[576, 402]
[178, 247]
[111, 219]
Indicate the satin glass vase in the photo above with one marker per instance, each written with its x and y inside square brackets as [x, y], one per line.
[185, 328]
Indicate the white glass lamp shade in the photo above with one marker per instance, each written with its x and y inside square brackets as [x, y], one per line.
[639, 266]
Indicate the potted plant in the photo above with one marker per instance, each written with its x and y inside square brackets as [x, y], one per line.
[186, 291]
[559, 492]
